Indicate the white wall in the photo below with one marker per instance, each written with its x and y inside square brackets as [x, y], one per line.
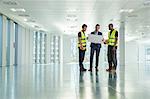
[131, 52]
[66, 48]
[25, 46]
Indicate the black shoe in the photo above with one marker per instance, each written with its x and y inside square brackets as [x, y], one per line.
[82, 69]
[114, 67]
[96, 68]
[90, 70]
[108, 70]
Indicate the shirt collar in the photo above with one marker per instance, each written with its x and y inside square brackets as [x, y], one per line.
[112, 30]
[96, 32]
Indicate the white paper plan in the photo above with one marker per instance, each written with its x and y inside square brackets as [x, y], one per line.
[95, 38]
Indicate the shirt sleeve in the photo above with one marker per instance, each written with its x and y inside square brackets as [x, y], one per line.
[102, 35]
[79, 34]
[116, 35]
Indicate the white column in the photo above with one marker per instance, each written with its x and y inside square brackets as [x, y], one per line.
[23, 46]
[4, 42]
[122, 50]
[31, 46]
[27, 47]
[20, 39]
[12, 42]
[61, 49]
[122, 41]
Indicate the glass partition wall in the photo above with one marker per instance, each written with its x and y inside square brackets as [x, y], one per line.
[8, 31]
[14, 41]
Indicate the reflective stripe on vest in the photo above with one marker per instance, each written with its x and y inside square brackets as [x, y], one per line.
[112, 38]
[83, 40]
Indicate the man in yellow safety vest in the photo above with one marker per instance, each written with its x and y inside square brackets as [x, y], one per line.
[82, 46]
[112, 48]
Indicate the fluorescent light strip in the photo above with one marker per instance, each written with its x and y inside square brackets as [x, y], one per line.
[126, 10]
[18, 10]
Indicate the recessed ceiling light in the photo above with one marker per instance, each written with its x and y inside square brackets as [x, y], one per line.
[25, 20]
[18, 10]
[71, 10]
[126, 10]
[130, 10]
[12, 9]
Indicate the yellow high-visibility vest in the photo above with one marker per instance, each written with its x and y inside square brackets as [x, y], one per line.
[83, 40]
[112, 38]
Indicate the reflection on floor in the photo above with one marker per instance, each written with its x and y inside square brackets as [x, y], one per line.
[66, 82]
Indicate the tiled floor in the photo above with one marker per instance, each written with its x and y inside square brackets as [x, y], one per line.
[66, 82]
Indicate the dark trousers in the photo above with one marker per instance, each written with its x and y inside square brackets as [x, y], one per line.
[81, 57]
[93, 49]
[112, 57]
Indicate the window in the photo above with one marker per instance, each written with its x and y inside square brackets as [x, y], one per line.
[55, 49]
[43, 48]
[35, 47]
[39, 48]
[147, 57]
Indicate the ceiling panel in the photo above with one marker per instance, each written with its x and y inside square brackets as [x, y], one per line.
[53, 13]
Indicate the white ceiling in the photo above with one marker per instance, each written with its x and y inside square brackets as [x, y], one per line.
[59, 15]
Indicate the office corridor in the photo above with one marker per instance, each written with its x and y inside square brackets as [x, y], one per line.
[40, 41]
[57, 81]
